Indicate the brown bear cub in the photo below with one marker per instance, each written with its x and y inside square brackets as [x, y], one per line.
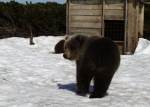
[96, 58]
[59, 47]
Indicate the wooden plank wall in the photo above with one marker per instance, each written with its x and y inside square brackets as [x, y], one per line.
[85, 16]
[114, 10]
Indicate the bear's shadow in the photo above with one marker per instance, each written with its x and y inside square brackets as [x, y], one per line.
[72, 87]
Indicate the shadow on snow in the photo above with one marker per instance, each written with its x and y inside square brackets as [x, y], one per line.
[72, 87]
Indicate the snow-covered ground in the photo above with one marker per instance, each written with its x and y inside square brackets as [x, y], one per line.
[32, 76]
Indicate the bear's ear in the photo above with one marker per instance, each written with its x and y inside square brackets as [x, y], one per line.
[80, 38]
[66, 37]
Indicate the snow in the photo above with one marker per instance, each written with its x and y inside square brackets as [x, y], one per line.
[32, 76]
[143, 46]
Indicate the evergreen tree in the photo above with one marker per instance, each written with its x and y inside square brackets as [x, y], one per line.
[41, 18]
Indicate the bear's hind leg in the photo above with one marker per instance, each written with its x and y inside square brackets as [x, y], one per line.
[101, 85]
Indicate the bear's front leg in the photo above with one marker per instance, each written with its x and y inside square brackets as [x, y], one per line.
[81, 89]
[82, 85]
[84, 78]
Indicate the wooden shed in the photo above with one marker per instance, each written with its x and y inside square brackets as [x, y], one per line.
[119, 20]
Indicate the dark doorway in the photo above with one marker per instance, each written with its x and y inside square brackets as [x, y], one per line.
[114, 29]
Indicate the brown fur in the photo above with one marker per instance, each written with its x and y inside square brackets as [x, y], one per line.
[96, 58]
[59, 47]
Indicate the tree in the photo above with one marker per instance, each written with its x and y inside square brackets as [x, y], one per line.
[43, 19]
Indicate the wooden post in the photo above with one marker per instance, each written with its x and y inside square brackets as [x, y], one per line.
[129, 26]
[136, 15]
[103, 13]
[125, 25]
[141, 19]
[67, 16]
[31, 36]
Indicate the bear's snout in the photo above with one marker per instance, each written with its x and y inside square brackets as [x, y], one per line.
[65, 56]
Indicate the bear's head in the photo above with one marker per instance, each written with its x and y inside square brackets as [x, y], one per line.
[73, 45]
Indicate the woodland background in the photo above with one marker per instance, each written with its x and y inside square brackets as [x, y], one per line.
[22, 20]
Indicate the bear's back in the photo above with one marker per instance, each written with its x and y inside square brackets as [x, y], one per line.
[100, 45]
[59, 47]
[102, 51]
